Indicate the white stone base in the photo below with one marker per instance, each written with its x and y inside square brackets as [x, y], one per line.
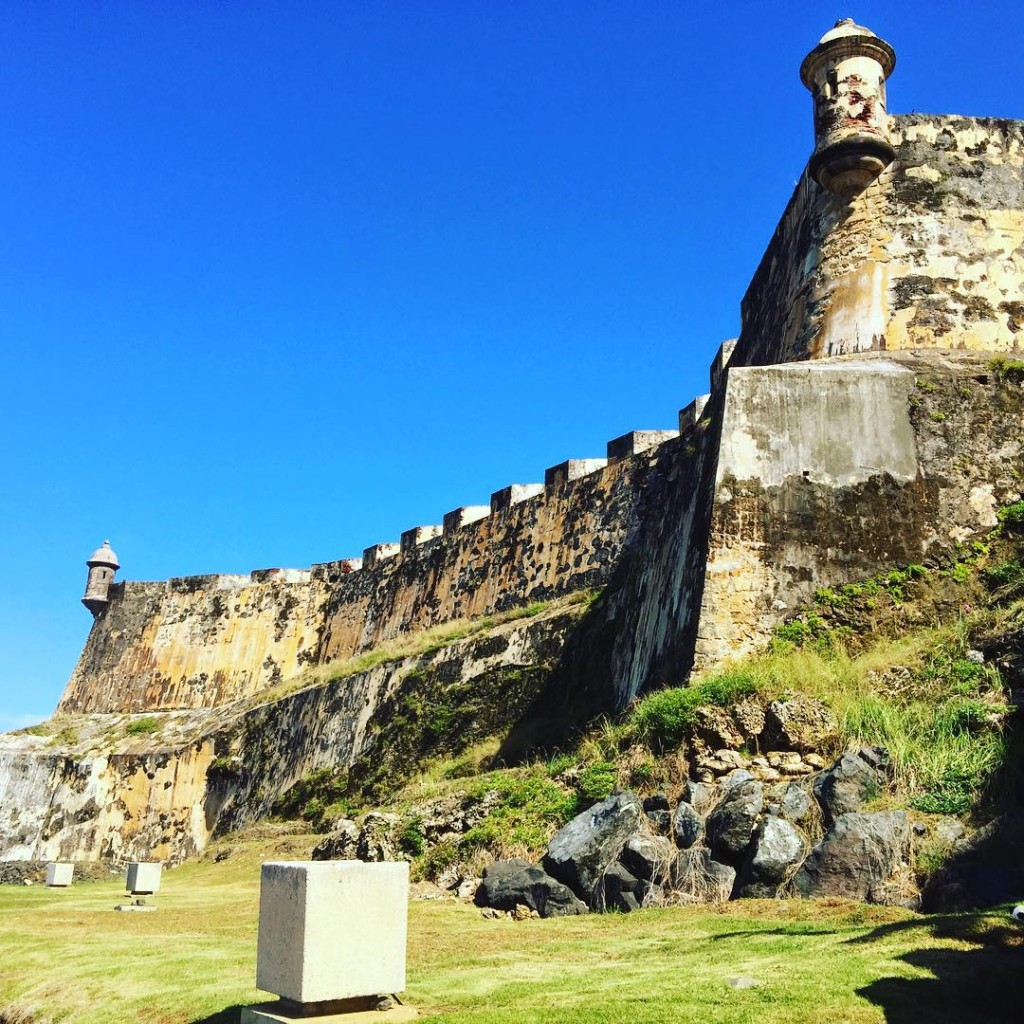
[272, 1013]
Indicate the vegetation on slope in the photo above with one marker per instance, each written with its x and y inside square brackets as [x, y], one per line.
[923, 660]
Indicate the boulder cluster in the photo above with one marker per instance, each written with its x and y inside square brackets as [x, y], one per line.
[736, 837]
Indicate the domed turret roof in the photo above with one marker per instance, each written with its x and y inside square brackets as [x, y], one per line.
[104, 556]
[846, 39]
[845, 27]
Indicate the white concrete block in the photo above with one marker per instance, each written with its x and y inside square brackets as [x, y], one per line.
[144, 877]
[60, 874]
[332, 929]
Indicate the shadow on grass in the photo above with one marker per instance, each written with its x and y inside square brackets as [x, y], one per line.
[981, 983]
[229, 1015]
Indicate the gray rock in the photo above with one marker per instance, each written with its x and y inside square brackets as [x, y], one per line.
[699, 795]
[741, 982]
[949, 829]
[860, 852]
[795, 802]
[803, 724]
[687, 826]
[736, 777]
[341, 844]
[877, 757]
[377, 838]
[507, 884]
[845, 786]
[697, 874]
[620, 890]
[648, 857]
[731, 824]
[776, 850]
[583, 849]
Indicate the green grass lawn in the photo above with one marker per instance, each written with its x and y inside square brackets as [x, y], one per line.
[67, 956]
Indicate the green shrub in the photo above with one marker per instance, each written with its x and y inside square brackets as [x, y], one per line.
[142, 726]
[411, 840]
[1011, 370]
[530, 809]
[319, 799]
[1006, 578]
[663, 719]
[560, 763]
[597, 781]
[1011, 518]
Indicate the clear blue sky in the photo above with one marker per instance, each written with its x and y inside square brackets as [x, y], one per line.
[281, 280]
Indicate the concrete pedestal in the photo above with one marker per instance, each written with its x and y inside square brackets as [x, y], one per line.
[332, 930]
[60, 875]
[144, 877]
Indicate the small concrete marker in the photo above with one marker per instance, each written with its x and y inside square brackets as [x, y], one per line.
[742, 982]
[331, 942]
[142, 880]
[60, 874]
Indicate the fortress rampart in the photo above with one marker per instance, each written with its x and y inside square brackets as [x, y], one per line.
[202, 641]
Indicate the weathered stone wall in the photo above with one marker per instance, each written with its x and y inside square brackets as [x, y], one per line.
[834, 471]
[193, 642]
[116, 807]
[929, 256]
[206, 640]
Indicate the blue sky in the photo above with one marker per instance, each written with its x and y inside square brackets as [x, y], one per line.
[281, 280]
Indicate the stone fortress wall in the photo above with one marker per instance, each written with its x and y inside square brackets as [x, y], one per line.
[203, 641]
[857, 423]
[929, 255]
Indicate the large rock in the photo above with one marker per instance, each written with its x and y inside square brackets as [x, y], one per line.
[804, 724]
[794, 804]
[620, 890]
[508, 884]
[378, 838]
[860, 853]
[687, 826]
[698, 875]
[714, 728]
[731, 824]
[582, 850]
[699, 795]
[340, 844]
[452, 816]
[845, 786]
[775, 852]
[648, 857]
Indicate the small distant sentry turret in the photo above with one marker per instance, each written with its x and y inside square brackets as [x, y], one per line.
[102, 566]
[846, 74]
